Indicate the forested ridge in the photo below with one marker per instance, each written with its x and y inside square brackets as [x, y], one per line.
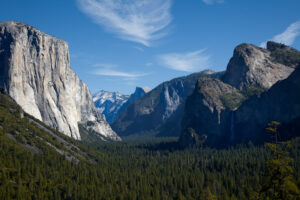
[126, 170]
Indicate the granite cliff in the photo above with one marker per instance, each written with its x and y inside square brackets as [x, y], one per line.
[35, 71]
[280, 103]
[256, 88]
[257, 67]
[159, 112]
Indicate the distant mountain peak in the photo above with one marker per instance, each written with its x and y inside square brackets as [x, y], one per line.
[111, 104]
[144, 88]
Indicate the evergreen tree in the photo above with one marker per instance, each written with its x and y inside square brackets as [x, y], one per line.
[279, 184]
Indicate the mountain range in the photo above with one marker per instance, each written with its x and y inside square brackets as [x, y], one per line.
[111, 104]
[206, 102]
[159, 112]
[259, 85]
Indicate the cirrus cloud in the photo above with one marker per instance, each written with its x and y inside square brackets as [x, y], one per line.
[188, 62]
[140, 21]
[112, 72]
[288, 36]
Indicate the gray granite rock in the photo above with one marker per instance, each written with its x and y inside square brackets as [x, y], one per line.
[258, 67]
[35, 71]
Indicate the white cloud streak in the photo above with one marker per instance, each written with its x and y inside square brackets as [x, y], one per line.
[105, 65]
[210, 2]
[140, 21]
[110, 72]
[288, 36]
[188, 62]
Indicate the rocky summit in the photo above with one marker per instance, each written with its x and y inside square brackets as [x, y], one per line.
[35, 71]
[259, 86]
[259, 67]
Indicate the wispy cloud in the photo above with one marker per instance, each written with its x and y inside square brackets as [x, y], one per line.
[210, 2]
[139, 48]
[110, 72]
[188, 62]
[288, 36]
[105, 65]
[141, 21]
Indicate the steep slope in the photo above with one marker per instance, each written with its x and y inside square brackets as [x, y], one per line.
[35, 136]
[138, 93]
[251, 72]
[207, 112]
[280, 103]
[35, 71]
[109, 103]
[158, 112]
[258, 67]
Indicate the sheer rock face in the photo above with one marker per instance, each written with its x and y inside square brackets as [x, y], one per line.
[207, 113]
[35, 72]
[255, 66]
[159, 112]
[259, 86]
[280, 103]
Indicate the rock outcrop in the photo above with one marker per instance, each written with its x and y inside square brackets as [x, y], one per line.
[258, 67]
[281, 103]
[208, 110]
[35, 71]
[256, 89]
[159, 112]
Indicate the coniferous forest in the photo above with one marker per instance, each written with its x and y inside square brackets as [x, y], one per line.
[33, 167]
[129, 171]
[156, 170]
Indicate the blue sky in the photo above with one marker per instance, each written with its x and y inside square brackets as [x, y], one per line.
[116, 45]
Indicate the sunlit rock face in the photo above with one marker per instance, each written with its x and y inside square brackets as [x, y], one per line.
[35, 71]
[254, 66]
[259, 86]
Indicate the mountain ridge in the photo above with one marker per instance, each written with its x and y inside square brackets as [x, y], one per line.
[243, 115]
[111, 104]
[157, 113]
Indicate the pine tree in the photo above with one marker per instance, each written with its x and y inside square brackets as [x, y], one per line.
[279, 184]
[208, 195]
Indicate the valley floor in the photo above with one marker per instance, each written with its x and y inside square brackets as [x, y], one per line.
[136, 171]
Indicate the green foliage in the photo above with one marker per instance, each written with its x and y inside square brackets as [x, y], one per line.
[279, 181]
[232, 101]
[291, 57]
[124, 170]
[252, 90]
